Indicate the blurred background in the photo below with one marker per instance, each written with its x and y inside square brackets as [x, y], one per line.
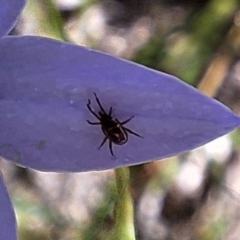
[194, 196]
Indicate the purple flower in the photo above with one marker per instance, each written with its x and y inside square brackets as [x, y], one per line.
[46, 84]
[7, 219]
[9, 11]
[45, 87]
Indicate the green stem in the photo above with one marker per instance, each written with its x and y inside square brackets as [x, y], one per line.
[123, 209]
[47, 17]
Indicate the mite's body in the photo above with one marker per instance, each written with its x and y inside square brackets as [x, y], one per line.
[111, 127]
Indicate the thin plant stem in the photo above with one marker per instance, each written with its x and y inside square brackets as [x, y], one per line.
[123, 209]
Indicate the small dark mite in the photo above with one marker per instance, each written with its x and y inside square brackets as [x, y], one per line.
[112, 128]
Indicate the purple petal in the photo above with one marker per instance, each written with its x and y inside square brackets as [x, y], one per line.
[9, 11]
[45, 86]
[7, 218]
